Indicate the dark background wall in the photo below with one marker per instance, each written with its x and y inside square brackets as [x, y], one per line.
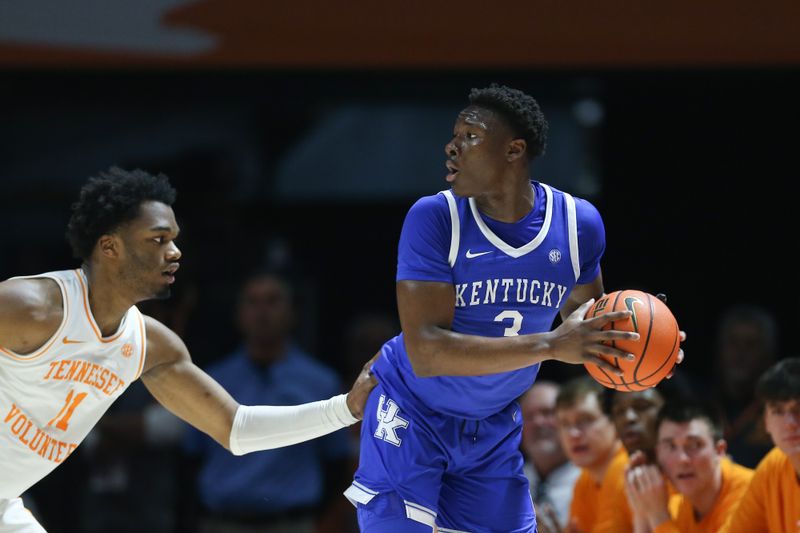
[692, 171]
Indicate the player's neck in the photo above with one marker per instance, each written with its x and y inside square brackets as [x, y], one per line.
[510, 201]
[107, 303]
[703, 501]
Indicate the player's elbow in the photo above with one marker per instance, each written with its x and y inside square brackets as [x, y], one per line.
[421, 357]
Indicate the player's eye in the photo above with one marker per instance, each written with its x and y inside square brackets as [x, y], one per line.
[471, 135]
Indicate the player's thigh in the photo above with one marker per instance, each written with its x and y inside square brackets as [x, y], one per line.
[14, 518]
[486, 490]
[387, 513]
[486, 504]
[402, 459]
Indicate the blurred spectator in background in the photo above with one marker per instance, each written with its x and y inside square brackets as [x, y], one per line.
[691, 455]
[276, 491]
[550, 474]
[364, 334]
[772, 501]
[590, 441]
[746, 346]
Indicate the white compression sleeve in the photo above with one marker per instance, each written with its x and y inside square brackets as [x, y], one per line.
[264, 427]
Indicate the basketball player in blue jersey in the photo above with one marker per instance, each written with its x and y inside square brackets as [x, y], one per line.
[483, 269]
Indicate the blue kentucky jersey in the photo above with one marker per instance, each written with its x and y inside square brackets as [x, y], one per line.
[502, 288]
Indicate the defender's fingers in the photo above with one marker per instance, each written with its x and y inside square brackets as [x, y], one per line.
[683, 335]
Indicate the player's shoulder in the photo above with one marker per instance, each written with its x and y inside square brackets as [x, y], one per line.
[433, 203]
[163, 344]
[585, 210]
[32, 299]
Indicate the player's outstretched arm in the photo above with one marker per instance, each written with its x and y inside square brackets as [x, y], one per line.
[426, 315]
[191, 394]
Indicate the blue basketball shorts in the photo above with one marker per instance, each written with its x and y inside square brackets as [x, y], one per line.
[419, 469]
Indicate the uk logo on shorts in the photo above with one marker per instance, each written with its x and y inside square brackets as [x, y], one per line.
[389, 421]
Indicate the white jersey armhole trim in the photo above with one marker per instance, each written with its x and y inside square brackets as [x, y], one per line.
[54, 337]
[572, 226]
[455, 228]
[507, 248]
[143, 333]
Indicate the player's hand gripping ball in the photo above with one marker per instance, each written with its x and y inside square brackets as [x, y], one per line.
[656, 351]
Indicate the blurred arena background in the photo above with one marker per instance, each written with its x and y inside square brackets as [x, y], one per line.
[299, 134]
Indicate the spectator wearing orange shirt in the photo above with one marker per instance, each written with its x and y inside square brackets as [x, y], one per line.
[590, 441]
[772, 502]
[692, 455]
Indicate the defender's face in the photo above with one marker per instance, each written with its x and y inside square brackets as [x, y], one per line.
[149, 257]
[634, 415]
[587, 434]
[782, 420]
[477, 153]
[689, 456]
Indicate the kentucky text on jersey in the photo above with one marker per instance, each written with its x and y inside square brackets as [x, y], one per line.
[28, 434]
[514, 290]
[92, 374]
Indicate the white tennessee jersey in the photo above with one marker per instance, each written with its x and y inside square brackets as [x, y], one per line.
[51, 398]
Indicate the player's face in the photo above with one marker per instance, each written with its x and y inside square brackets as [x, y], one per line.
[634, 415]
[587, 435]
[477, 155]
[149, 257]
[539, 429]
[689, 456]
[782, 420]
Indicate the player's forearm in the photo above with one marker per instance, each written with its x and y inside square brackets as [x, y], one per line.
[440, 352]
[264, 427]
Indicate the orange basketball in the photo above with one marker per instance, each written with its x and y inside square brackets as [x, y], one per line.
[656, 350]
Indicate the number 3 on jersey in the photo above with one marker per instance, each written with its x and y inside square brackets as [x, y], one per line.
[72, 401]
[516, 323]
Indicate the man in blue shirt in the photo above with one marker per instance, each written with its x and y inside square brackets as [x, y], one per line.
[282, 489]
[483, 270]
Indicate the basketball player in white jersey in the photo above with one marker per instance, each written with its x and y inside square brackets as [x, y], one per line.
[72, 341]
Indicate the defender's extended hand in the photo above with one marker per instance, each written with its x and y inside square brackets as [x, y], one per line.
[365, 382]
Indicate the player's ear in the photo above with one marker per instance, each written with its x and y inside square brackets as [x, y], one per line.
[109, 245]
[722, 447]
[516, 149]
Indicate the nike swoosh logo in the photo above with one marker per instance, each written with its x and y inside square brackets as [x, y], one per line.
[470, 255]
[65, 340]
[629, 303]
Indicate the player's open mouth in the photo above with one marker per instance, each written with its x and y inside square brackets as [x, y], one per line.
[453, 171]
[685, 476]
[170, 272]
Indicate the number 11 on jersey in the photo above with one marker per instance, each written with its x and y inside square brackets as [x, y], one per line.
[70, 404]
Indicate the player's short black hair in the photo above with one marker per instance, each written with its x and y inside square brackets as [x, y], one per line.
[685, 410]
[520, 111]
[109, 200]
[780, 382]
